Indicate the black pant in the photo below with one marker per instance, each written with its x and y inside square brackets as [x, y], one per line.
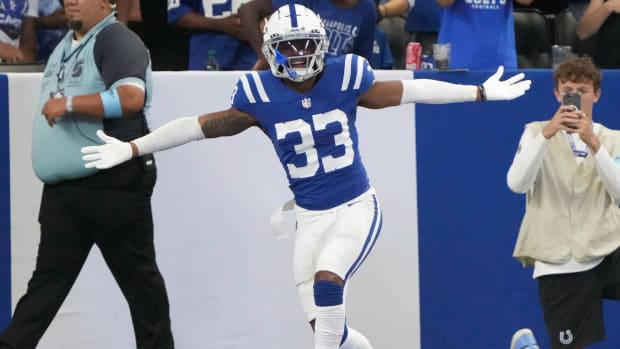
[111, 209]
[573, 303]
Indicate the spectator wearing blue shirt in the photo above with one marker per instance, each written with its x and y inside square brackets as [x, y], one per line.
[215, 27]
[481, 34]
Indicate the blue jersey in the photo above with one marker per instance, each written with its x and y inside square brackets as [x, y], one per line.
[350, 30]
[481, 34]
[314, 134]
[231, 53]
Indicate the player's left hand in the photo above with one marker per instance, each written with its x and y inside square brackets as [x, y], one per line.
[511, 88]
[107, 155]
[53, 109]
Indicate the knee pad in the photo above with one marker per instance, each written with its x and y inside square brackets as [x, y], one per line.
[328, 293]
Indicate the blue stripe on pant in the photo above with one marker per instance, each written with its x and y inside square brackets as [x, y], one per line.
[371, 239]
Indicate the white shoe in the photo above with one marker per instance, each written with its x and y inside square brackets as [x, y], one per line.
[524, 339]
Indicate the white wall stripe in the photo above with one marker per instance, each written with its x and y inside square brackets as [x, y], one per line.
[246, 88]
[347, 73]
[259, 86]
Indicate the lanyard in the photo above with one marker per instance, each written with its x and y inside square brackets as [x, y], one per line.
[573, 147]
[60, 75]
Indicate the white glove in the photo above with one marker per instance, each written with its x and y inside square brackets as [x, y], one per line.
[107, 155]
[512, 88]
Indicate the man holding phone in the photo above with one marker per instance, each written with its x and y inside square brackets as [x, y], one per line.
[569, 169]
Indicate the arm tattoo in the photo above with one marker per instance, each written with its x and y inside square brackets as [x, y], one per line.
[227, 123]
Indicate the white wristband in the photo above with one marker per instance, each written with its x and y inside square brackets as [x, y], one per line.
[170, 135]
[69, 105]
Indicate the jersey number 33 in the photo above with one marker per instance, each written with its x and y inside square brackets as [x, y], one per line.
[309, 148]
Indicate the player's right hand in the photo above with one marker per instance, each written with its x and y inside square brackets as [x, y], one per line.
[107, 155]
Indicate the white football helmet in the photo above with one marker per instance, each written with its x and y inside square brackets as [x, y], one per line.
[294, 43]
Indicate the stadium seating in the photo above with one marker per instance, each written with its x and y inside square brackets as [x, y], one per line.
[532, 38]
[565, 34]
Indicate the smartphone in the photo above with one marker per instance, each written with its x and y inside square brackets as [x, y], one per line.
[572, 98]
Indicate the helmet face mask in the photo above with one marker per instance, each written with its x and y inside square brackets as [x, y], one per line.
[294, 43]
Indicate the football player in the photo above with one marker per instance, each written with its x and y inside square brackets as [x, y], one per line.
[307, 107]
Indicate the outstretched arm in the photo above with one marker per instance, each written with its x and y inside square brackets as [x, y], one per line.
[184, 130]
[391, 93]
[173, 134]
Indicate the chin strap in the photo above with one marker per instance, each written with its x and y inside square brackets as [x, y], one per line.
[282, 59]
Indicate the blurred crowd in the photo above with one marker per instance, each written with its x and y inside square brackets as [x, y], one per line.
[186, 34]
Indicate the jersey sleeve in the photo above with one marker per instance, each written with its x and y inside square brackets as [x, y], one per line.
[239, 99]
[120, 55]
[251, 94]
[368, 76]
[357, 74]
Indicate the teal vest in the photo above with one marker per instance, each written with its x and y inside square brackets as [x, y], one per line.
[56, 152]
